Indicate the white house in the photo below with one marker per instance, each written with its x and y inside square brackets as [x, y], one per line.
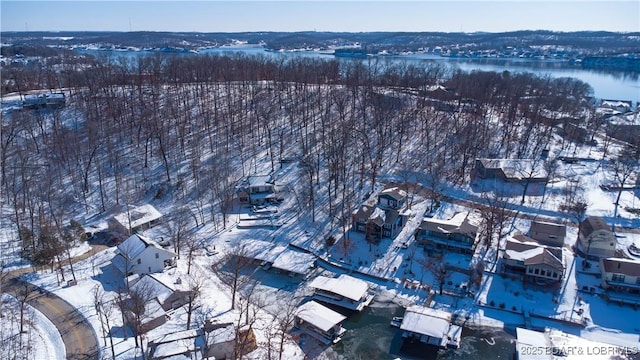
[595, 239]
[134, 218]
[621, 278]
[140, 255]
[320, 322]
[460, 233]
[345, 291]
[431, 327]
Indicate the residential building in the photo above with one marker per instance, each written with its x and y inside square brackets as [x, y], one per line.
[548, 233]
[460, 233]
[258, 190]
[169, 292]
[621, 276]
[595, 239]
[533, 261]
[512, 170]
[221, 340]
[345, 291]
[185, 344]
[140, 255]
[135, 219]
[320, 322]
[430, 327]
[384, 219]
[553, 344]
[48, 100]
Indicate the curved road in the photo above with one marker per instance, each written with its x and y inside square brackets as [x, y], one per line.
[77, 334]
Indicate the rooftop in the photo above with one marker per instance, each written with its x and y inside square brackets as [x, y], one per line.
[319, 315]
[426, 321]
[344, 285]
[621, 266]
[139, 215]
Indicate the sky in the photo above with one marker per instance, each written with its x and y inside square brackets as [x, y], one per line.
[328, 15]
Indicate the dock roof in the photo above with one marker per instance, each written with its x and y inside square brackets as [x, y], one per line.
[344, 285]
[319, 315]
[426, 321]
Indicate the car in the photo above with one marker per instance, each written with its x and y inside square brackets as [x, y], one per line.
[404, 245]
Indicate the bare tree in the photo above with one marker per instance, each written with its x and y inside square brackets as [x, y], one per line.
[623, 167]
[231, 269]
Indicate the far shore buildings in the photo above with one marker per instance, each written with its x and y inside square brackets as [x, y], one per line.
[47, 100]
[512, 170]
[385, 219]
[459, 234]
[621, 280]
[139, 254]
[134, 219]
[320, 322]
[431, 327]
[344, 291]
[595, 239]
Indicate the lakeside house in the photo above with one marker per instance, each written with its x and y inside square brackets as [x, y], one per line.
[548, 233]
[185, 344]
[140, 255]
[320, 322]
[431, 327]
[258, 190]
[48, 100]
[383, 219]
[512, 170]
[135, 219]
[460, 233]
[344, 291]
[621, 279]
[535, 262]
[595, 239]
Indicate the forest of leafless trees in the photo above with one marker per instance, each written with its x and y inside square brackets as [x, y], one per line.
[190, 127]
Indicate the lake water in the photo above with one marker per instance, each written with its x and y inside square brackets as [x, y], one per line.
[606, 84]
[369, 336]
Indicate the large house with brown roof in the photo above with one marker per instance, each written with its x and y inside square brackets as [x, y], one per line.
[595, 239]
[540, 263]
[548, 233]
[384, 219]
[460, 233]
[621, 277]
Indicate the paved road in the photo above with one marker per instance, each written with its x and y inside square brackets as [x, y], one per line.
[77, 334]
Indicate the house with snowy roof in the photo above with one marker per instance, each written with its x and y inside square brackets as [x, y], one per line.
[460, 233]
[320, 322]
[168, 291]
[512, 170]
[135, 218]
[617, 105]
[548, 233]
[595, 239]
[431, 327]
[383, 219]
[139, 254]
[345, 291]
[532, 261]
[48, 100]
[258, 190]
[186, 344]
[621, 278]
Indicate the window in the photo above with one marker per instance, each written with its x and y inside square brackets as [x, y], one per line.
[617, 277]
[139, 261]
[157, 256]
[555, 275]
[530, 270]
[543, 272]
[536, 271]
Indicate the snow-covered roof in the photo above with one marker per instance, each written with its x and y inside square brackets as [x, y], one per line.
[259, 180]
[135, 244]
[139, 215]
[260, 250]
[555, 344]
[426, 321]
[464, 222]
[222, 334]
[525, 249]
[177, 343]
[159, 286]
[294, 261]
[344, 285]
[378, 216]
[548, 228]
[394, 192]
[319, 315]
[517, 168]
